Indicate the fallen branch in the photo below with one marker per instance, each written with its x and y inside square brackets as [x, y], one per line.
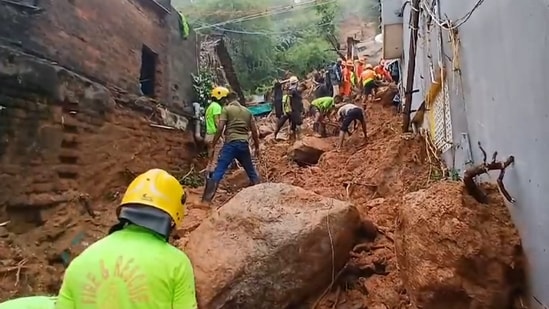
[484, 168]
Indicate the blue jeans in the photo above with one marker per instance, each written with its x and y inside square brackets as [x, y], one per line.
[235, 150]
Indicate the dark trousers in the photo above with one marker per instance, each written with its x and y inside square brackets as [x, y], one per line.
[239, 150]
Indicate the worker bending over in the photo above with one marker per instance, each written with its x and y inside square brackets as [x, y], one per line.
[218, 98]
[347, 114]
[237, 122]
[135, 267]
[382, 72]
[368, 79]
[319, 109]
[31, 302]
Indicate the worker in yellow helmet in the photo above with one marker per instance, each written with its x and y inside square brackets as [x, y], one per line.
[31, 302]
[218, 98]
[135, 266]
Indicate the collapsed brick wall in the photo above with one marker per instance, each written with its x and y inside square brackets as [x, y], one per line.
[64, 138]
[102, 40]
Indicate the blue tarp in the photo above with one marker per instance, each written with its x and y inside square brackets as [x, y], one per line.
[261, 109]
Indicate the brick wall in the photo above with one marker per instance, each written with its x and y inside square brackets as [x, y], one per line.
[102, 40]
[63, 138]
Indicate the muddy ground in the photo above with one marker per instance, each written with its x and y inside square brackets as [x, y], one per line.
[374, 177]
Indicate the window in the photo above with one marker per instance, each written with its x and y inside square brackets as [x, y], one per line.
[442, 126]
[148, 71]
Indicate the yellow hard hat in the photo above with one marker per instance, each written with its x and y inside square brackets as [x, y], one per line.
[369, 66]
[220, 92]
[158, 189]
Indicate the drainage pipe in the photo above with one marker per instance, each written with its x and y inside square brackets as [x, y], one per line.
[198, 121]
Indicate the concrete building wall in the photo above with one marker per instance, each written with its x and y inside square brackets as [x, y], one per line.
[102, 40]
[500, 100]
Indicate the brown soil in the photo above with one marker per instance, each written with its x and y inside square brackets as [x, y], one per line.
[374, 177]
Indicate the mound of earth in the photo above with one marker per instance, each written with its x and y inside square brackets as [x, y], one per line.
[454, 252]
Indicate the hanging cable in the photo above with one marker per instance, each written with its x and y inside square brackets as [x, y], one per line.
[447, 25]
[270, 33]
[277, 11]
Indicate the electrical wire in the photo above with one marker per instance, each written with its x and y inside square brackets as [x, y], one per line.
[450, 25]
[268, 13]
[269, 33]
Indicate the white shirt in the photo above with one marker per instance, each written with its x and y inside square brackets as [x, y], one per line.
[345, 109]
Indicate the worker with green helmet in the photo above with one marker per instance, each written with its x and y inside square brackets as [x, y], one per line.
[31, 302]
[218, 98]
[135, 266]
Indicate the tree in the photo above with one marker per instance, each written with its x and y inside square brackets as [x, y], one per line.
[263, 48]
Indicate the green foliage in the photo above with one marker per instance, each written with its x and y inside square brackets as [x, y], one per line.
[193, 180]
[307, 55]
[264, 48]
[202, 84]
[327, 13]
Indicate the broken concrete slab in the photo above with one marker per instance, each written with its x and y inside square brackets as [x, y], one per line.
[270, 246]
[308, 150]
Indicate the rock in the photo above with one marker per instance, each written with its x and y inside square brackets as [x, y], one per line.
[456, 253]
[264, 130]
[308, 150]
[269, 247]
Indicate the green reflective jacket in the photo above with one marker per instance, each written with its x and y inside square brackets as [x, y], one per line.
[32, 302]
[130, 269]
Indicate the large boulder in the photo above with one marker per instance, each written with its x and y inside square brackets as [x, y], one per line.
[270, 246]
[308, 150]
[455, 253]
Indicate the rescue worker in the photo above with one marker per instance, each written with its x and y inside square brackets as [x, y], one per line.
[135, 266]
[31, 302]
[218, 98]
[237, 122]
[328, 82]
[336, 76]
[382, 73]
[368, 79]
[347, 114]
[349, 79]
[319, 109]
[277, 98]
[321, 89]
[360, 67]
[286, 107]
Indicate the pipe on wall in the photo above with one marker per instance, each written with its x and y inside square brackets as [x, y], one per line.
[198, 121]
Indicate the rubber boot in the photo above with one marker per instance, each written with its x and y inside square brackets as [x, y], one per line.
[209, 190]
[322, 129]
[316, 127]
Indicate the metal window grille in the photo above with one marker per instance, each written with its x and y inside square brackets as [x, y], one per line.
[443, 120]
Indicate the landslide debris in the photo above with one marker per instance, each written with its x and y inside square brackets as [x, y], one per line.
[271, 246]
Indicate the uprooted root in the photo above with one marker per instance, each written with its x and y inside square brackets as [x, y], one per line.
[485, 167]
